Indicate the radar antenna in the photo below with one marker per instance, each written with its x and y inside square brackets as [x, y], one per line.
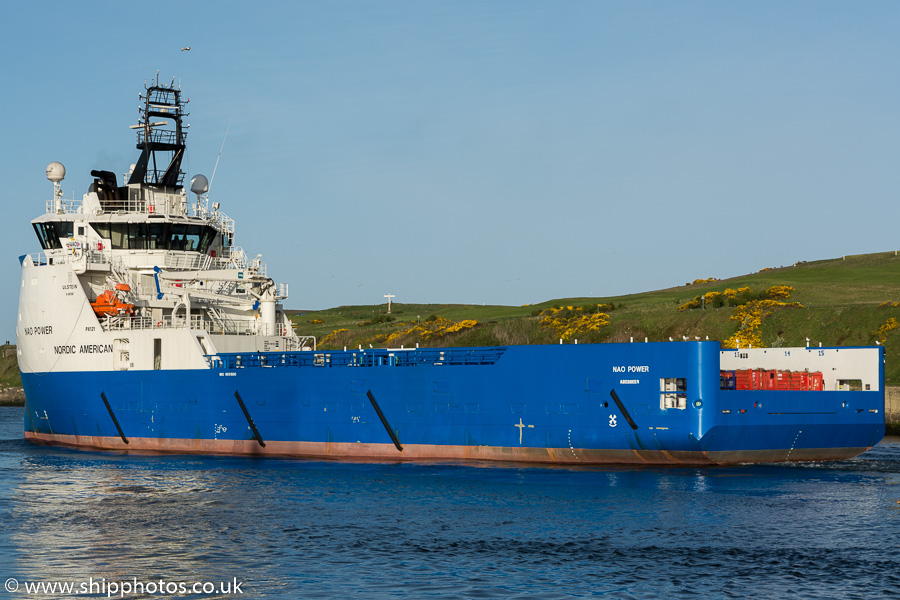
[199, 186]
[56, 172]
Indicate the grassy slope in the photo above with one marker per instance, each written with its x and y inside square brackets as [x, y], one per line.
[9, 368]
[840, 299]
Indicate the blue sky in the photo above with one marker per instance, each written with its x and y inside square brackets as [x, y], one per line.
[503, 152]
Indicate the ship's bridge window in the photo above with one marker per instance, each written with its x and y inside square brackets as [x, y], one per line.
[673, 393]
[50, 232]
[156, 236]
[189, 238]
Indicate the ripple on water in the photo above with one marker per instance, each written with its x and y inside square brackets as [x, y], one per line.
[307, 529]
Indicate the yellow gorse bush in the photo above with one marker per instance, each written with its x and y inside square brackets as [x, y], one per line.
[454, 327]
[738, 297]
[434, 328]
[750, 316]
[332, 336]
[749, 310]
[779, 291]
[692, 304]
[889, 325]
[744, 339]
[573, 320]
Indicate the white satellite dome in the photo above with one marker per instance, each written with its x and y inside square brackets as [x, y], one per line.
[199, 184]
[56, 172]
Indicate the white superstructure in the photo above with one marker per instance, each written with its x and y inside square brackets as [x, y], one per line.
[141, 276]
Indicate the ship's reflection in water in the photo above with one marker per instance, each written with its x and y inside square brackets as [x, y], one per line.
[289, 528]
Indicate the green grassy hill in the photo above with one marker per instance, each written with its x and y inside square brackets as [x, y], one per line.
[9, 377]
[842, 304]
[9, 368]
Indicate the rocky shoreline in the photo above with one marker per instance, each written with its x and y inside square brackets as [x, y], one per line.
[12, 396]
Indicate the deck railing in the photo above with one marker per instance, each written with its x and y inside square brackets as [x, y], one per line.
[359, 358]
[197, 322]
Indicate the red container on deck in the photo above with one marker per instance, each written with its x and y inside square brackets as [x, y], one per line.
[742, 380]
[800, 380]
[767, 380]
[782, 380]
[816, 382]
[763, 379]
[758, 377]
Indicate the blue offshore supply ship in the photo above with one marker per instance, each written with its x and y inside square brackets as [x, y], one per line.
[142, 327]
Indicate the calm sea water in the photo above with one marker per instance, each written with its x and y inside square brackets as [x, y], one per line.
[308, 529]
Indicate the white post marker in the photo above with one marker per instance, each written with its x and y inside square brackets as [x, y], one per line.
[389, 296]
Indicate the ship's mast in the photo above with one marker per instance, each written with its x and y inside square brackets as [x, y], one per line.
[160, 147]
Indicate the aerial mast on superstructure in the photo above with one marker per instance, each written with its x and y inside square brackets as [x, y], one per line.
[160, 146]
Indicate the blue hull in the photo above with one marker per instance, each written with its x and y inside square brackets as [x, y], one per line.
[561, 404]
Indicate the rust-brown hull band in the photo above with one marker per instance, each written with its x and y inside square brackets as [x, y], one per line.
[423, 452]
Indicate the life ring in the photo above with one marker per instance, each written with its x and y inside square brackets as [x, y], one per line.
[159, 324]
